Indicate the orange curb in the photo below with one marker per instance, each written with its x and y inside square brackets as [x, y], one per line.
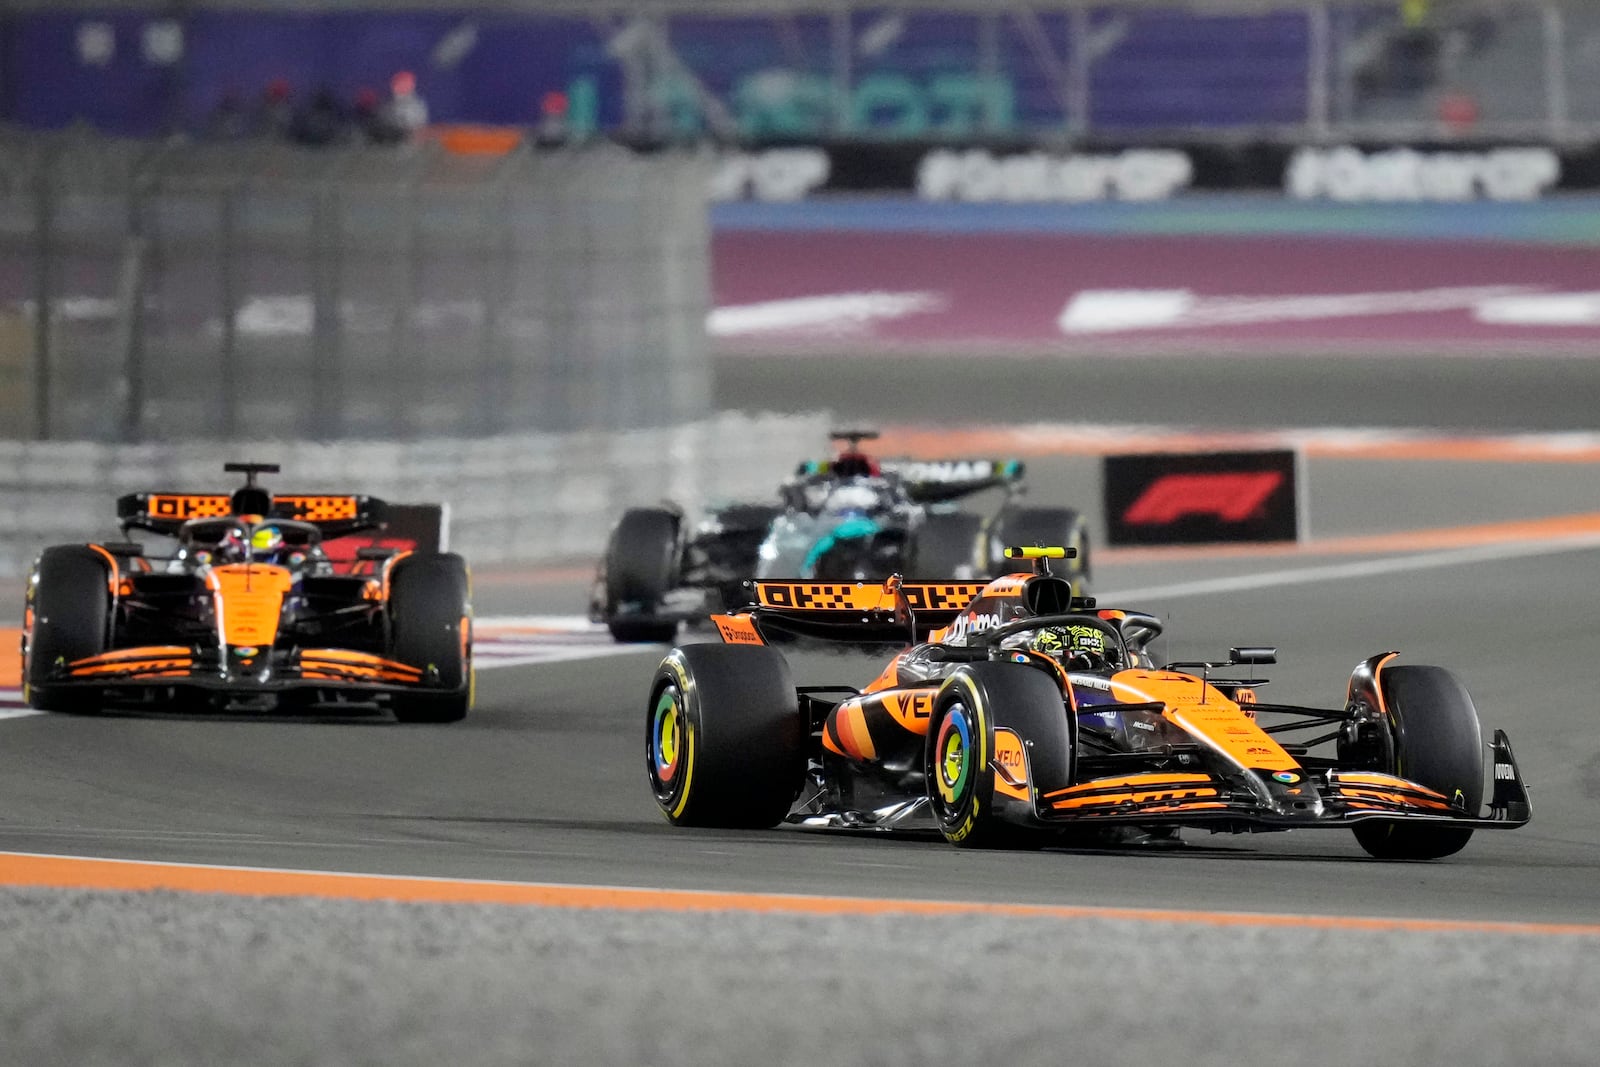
[65, 872]
[10, 658]
[1077, 441]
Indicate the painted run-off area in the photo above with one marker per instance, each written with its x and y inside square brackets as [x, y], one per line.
[910, 289]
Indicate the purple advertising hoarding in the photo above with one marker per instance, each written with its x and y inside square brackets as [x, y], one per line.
[940, 74]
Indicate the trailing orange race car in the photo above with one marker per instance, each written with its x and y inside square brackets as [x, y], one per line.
[1020, 715]
[248, 612]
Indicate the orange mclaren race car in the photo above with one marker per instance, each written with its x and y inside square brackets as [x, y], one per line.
[247, 612]
[1023, 715]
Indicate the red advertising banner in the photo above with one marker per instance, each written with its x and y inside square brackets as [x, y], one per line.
[1167, 498]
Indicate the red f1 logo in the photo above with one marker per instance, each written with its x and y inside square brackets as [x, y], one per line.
[1230, 496]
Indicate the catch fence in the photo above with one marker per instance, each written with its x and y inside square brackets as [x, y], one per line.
[155, 291]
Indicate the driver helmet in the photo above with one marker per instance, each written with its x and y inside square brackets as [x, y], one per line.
[266, 543]
[852, 500]
[233, 545]
[854, 465]
[1076, 647]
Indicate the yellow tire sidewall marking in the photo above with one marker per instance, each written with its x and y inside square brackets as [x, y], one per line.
[685, 691]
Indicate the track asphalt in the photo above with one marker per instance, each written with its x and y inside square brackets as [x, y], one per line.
[543, 785]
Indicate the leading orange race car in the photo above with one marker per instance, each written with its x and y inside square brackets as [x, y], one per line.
[1019, 715]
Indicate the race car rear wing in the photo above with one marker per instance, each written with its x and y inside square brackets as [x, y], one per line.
[892, 611]
[937, 481]
[165, 513]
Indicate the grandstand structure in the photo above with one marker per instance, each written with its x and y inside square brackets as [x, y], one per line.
[1041, 70]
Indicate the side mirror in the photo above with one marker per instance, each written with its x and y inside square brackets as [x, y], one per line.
[1253, 654]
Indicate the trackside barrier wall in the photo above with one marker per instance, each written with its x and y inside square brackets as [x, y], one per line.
[521, 498]
[167, 291]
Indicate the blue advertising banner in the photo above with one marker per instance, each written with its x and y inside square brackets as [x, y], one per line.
[879, 74]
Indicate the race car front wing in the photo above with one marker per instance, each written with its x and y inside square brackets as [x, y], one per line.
[1283, 800]
[243, 671]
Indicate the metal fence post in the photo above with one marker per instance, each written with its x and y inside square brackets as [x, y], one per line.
[1080, 75]
[989, 67]
[842, 44]
[1319, 67]
[131, 291]
[327, 223]
[495, 288]
[413, 361]
[1555, 69]
[227, 267]
[44, 197]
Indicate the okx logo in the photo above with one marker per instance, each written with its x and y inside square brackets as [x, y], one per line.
[1197, 498]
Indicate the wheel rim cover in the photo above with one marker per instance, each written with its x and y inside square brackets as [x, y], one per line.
[666, 738]
[952, 749]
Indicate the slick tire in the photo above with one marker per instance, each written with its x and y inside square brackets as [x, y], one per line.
[723, 744]
[1043, 526]
[947, 547]
[959, 757]
[1439, 744]
[70, 618]
[641, 566]
[430, 625]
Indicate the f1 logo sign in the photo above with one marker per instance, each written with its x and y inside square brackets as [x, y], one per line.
[1198, 498]
[1231, 497]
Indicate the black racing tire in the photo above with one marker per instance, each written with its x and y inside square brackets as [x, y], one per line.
[748, 518]
[947, 546]
[1043, 526]
[430, 626]
[1439, 744]
[641, 566]
[635, 632]
[723, 744]
[958, 757]
[70, 618]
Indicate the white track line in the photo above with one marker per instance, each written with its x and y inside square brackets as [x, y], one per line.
[497, 625]
[564, 638]
[529, 640]
[508, 641]
[481, 662]
[12, 707]
[1364, 569]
